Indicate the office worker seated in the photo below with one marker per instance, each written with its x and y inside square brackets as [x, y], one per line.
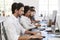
[33, 13]
[12, 26]
[36, 23]
[25, 20]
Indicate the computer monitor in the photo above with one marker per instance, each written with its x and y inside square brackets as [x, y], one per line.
[54, 15]
[58, 21]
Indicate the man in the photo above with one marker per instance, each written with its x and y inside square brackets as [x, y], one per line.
[12, 25]
[35, 22]
[33, 13]
[25, 19]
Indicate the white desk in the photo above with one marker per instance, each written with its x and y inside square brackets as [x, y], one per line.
[54, 39]
[45, 33]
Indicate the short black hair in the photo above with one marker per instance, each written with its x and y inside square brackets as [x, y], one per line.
[26, 8]
[32, 7]
[20, 5]
[16, 6]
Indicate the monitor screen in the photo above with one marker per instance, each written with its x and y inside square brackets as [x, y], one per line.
[58, 21]
[54, 15]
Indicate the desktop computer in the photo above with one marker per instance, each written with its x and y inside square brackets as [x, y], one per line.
[58, 22]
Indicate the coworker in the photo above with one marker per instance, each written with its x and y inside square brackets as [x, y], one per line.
[25, 19]
[36, 23]
[3, 15]
[12, 26]
[33, 14]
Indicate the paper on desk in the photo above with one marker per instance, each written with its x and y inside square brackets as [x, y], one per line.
[48, 28]
[53, 38]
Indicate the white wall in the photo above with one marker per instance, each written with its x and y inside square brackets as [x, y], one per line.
[59, 7]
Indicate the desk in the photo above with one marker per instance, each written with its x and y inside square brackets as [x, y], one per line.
[54, 38]
[48, 36]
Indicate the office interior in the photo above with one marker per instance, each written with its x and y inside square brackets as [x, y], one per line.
[47, 11]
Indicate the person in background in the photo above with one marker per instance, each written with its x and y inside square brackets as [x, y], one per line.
[36, 23]
[33, 8]
[32, 14]
[3, 15]
[12, 26]
[25, 20]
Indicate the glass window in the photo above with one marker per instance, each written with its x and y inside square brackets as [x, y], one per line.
[48, 6]
[6, 6]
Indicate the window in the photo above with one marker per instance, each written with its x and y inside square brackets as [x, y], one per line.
[47, 7]
[6, 6]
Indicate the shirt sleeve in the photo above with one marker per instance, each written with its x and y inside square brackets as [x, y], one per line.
[11, 31]
[26, 24]
[22, 30]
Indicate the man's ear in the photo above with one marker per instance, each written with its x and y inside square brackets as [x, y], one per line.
[16, 11]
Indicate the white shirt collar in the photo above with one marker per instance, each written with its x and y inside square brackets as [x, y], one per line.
[15, 18]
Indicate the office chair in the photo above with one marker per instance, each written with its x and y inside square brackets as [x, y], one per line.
[4, 31]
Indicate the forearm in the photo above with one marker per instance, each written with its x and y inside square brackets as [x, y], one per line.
[24, 37]
[28, 32]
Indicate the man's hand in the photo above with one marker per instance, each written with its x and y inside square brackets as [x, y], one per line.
[37, 25]
[29, 32]
[25, 37]
[33, 33]
[36, 37]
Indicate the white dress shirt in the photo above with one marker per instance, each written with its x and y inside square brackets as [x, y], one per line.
[13, 28]
[26, 22]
